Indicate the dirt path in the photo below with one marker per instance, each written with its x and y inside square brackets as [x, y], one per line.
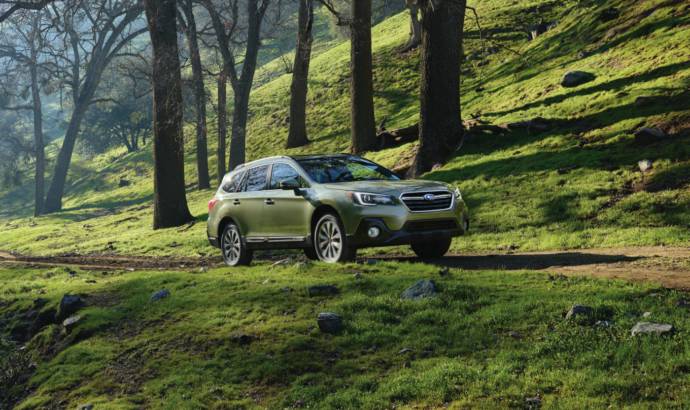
[665, 265]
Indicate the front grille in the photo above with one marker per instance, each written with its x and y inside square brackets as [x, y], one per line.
[427, 201]
[432, 225]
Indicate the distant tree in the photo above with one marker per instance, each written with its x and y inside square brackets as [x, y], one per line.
[93, 34]
[169, 199]
[440, 126]
[297, 134]
[189, 26]
[22, 43]
[109, 124]
[415, 26]
[241, 23]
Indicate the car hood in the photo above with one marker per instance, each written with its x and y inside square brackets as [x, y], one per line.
[388, 187]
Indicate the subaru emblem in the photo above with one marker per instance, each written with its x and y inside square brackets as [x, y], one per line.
[429, 197]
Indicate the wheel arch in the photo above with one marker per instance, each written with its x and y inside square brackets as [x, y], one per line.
[223, 223]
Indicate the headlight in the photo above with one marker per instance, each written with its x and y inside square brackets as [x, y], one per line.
[363, 198]
[458, 195]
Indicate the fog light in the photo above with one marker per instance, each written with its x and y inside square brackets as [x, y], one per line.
[373, 232]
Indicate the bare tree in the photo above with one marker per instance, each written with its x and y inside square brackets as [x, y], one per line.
[239, 22]
[297, 135]
[93, 33]
[21, 45]
[440, 126]
[9, 7]
[190, 29]
[169, 200]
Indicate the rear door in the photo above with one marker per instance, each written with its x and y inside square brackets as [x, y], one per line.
[287, 215]
[250, 203]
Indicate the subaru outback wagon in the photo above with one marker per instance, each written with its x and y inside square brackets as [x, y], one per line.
[330, 205]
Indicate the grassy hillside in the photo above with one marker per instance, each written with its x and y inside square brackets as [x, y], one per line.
[574, 184]
[249, 340]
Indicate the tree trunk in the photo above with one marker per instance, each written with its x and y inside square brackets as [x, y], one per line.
[415, 27]
[169, 200]
[440, 125]
[39, 147]
[361, 82]
[57, 185]
[222, 124]
[297, 136]
[243, 85]
[199, 95]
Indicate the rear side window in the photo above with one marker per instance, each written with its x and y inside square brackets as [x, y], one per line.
[282, 172]
[256, 179]
[235, 183]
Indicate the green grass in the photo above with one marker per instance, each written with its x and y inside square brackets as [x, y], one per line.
[182, 352]
[575, 185]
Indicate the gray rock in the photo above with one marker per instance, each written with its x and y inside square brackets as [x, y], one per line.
[645, 165]
[602, 323]
[575, 78]
[533, 402]
[405, 350]
[71, 322]
[161, 294]
[69, 305]
[651, 328]
[329, 322]
[422, 289]
[649, 135]
[515, 335]
[646, 314]
[580, 312]
[322, 290]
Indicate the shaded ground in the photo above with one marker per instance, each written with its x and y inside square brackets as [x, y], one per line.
[669, 266]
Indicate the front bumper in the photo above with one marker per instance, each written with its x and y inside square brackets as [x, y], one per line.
[412, 231]
[214, 241]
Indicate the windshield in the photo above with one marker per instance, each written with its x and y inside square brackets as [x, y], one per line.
[344, 169]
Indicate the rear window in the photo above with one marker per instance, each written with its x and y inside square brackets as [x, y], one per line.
[235, 183]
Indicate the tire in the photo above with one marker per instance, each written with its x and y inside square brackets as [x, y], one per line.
[233, 248]
[432, 249]
[330, 243]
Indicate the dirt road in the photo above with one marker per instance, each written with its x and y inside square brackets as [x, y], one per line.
[667, 266]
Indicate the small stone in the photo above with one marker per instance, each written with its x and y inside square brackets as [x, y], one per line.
[322, 290]
[649, 135]
[161, 294]
[69, 304]
[533, 402]
[515, 335]
[329, 322]
[71, 322]
[579, 312]
[646, 314]
[576, 78]
[421, 289]
[405, 350]
[645, 165]
[651, 328]
[602, 323]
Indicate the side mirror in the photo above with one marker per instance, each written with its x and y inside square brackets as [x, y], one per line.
[290, 184]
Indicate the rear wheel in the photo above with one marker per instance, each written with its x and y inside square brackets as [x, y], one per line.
[330, 242]
[431, 249]
[234, 249]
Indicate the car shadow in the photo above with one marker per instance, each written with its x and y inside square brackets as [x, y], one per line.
[523, 261]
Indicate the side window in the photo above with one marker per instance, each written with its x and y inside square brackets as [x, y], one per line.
[281, 172]
[256, 179]
[235, 183]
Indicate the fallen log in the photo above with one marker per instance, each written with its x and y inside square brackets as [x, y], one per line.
[392, 138]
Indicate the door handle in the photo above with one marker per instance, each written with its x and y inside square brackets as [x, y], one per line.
[268, 201]
[236, 202]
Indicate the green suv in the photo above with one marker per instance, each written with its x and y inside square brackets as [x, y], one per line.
[330, 205]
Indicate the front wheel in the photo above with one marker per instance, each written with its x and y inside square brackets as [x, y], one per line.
[234, 249]
[431, 249]
[330, 242]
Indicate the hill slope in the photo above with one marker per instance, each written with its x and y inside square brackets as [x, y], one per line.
[572, 183]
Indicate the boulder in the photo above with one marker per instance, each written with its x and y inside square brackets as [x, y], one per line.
[329, 322]
[645, 165]
[651, 328]
[576, 78]
[69, 305]
[71, 322]
[649, 135]
[322, 290]
[422, 289]
[580, 313]
[161, 294]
